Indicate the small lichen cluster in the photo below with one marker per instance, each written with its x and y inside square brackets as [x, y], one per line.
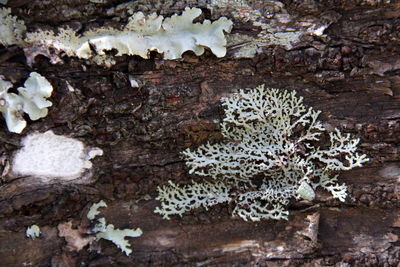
[108, 231]
[33, 231]
[31, 100]
[271, 155]
[142, 34]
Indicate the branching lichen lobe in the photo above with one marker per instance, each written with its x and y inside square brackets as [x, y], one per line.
[269, 132]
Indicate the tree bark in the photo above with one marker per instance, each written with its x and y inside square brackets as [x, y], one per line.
[345, 62]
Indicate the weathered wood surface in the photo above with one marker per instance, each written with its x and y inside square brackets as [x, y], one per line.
[351, 73]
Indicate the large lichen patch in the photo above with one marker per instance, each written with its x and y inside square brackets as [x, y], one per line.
[270, 134]
[170, 36]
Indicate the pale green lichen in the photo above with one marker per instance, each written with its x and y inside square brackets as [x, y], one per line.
[33, 231]
[179, 199]
[142, 34]
[117, 236]
[31, 100]
[11, 29]
[108, 231]
[271, 135]
[94, 209]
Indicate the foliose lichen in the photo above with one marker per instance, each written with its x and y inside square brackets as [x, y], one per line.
[170, 36]
[108, 231]
[94, 209]
[31, 100]
[33, 231]
[117, 236]
[272, 154]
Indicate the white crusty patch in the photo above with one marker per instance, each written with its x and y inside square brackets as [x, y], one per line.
[47, 155]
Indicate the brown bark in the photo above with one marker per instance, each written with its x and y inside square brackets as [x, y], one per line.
[351, 74]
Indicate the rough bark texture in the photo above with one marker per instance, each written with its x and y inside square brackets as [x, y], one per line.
[351, 72]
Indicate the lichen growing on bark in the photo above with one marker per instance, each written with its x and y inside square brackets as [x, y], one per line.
[170, 36]
[31, 99]
[11, 29]
[272, 134]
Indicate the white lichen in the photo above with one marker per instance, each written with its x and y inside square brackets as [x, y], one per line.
[11, 29]
[142, 34]
[33, 231]
[272, 154]
[49, 156]
[31, 100]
